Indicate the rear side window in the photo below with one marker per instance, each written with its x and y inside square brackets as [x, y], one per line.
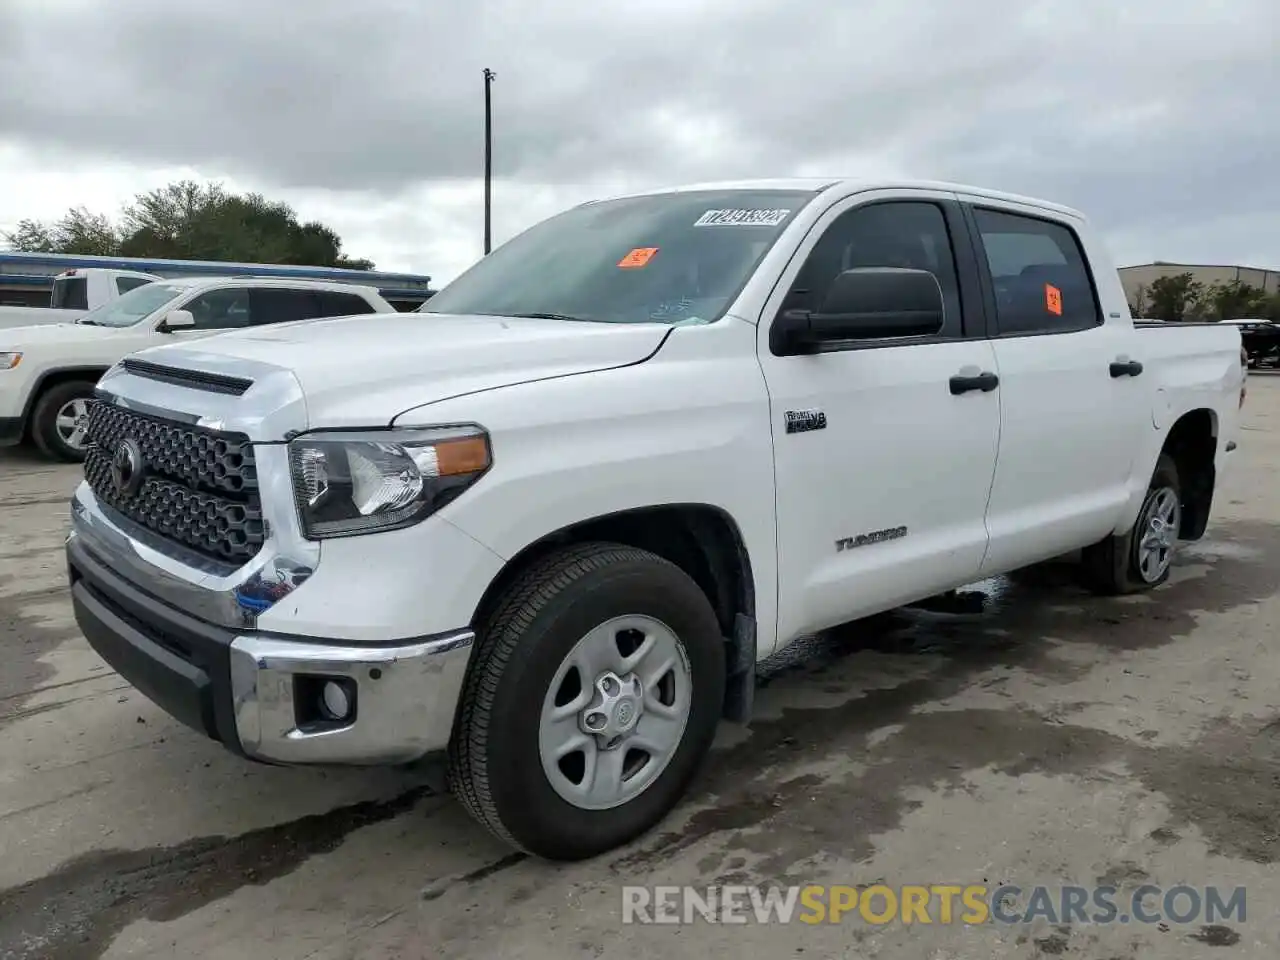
[71, 293]
[125, 284]
[1041, 280]
[334, 304]
[280, 305]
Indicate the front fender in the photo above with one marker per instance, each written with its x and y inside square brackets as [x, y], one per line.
[690, 425]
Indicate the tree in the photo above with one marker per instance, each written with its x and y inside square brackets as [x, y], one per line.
[1172, 298]
[78, 231]
[1139, 305]
[1232, 301]
[192, 221]
[1271, 308]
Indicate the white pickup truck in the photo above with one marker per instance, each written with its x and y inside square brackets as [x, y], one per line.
[638, 448]
[48, 371]
[75, 293]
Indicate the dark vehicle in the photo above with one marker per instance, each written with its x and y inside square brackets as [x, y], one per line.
[1261, 341]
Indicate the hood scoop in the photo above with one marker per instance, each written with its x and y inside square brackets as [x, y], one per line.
[191, 379]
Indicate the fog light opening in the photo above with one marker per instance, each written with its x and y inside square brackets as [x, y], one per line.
[335, 701]
[324, 702]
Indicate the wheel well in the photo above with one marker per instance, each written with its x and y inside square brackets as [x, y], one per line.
[1192, 443]
[701, 540]
[53, 379]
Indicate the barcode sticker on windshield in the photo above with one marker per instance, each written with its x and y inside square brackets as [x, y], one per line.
[741, 218]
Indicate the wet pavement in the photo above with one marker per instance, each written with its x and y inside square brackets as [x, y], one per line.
[1043, 737]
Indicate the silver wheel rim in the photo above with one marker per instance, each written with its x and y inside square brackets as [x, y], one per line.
[72, 422]
[1158, 533]
[615, 712]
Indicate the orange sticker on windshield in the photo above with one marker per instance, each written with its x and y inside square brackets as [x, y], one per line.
[637, 258]
[1053, 299]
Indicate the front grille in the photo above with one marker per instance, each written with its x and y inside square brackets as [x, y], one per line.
[199, 487]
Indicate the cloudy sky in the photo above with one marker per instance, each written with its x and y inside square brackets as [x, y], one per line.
[1158, 117]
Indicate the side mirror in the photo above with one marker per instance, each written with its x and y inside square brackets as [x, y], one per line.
[869, 303]
[176, 320]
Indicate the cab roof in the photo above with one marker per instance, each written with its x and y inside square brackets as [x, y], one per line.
[281, 282]
[848, 185]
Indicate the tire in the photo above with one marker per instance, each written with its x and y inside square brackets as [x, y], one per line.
[498, 766]
[45, 430]
[1115, 566]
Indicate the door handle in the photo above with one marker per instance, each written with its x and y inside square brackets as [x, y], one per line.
[1125, 368]
[985, 381]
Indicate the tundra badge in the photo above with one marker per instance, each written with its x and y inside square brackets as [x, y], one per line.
[875, 536]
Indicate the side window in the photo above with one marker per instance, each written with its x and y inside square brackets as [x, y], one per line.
[125, 284]
[335, 304]
[70, 293]
[282, 305]
[1042, 284]
[906, 233]
[224, 309]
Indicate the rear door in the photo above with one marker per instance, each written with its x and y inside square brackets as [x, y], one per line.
[1069, 427]
[882, 472]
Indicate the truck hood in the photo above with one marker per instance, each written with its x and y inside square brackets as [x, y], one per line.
[22, 317]
[366, 370]
[15, 338]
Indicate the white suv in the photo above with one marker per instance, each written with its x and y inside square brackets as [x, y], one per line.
[48, 372]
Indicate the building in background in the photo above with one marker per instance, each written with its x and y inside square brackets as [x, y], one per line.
[26, 279]
[1139, 277]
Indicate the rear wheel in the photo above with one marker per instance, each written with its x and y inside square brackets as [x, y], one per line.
[1141, 559]
[592, 699]
[60, 420]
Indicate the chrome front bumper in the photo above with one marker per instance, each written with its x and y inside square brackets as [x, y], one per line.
[406, 696]
[250, 690]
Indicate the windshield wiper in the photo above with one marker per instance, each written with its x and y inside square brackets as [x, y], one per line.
[556, 316]
[89, 323]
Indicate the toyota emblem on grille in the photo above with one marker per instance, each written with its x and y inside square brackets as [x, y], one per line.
[127, 468]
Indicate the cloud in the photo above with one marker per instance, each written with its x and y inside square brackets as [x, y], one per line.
[1155, 116]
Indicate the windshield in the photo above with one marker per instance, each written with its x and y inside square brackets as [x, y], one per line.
[131, 307]
[670, 258]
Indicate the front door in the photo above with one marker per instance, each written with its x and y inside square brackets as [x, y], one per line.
[216, 310]
[882, 472]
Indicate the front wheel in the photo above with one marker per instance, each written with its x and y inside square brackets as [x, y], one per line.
[1141, 559]
[60, 420]
[591, 701]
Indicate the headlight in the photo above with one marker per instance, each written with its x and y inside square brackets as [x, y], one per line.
[368, 481]
[9, 360]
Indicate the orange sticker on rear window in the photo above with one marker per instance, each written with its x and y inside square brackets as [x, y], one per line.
[1053, 299]
[637, 257]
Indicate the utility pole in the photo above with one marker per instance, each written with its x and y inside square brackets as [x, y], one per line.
[488, 161]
